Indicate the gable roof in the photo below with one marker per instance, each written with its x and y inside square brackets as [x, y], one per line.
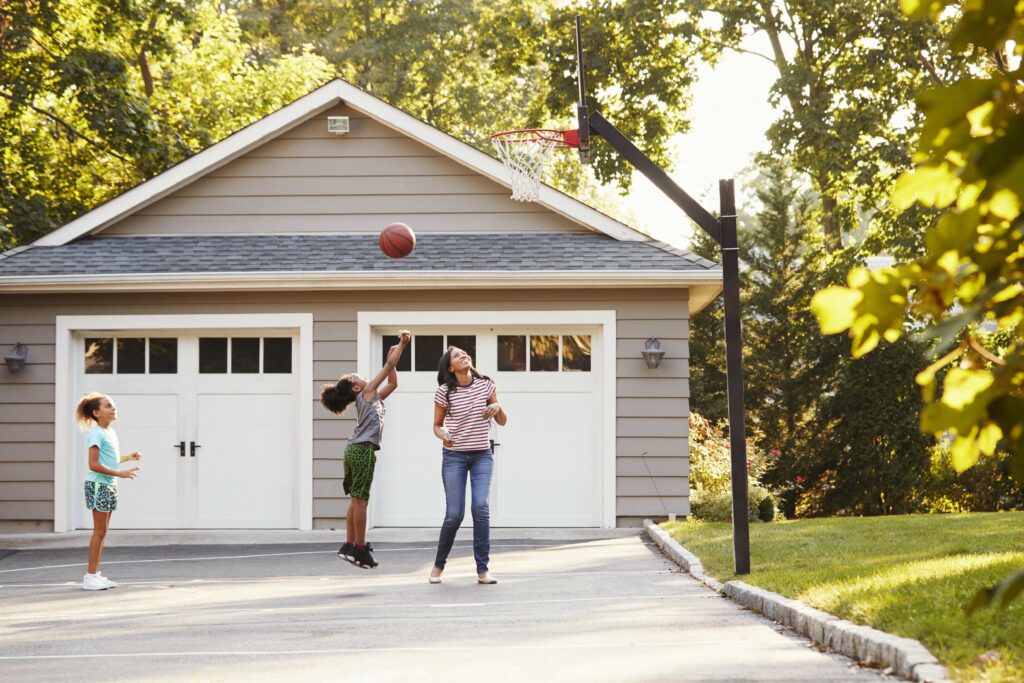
[291, 115]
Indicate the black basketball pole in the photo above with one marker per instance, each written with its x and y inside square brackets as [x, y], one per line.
[723, 231]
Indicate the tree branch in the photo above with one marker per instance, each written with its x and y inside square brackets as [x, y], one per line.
[742, 50]
[68, 127]
[927, 63]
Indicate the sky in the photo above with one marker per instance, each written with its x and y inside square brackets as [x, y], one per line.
[730, 114]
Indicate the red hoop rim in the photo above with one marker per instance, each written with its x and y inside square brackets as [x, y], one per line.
[561, 138]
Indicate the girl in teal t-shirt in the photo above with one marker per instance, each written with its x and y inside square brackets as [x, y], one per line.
[94, 413]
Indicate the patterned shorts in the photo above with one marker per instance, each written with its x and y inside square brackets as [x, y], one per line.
[360, 459]
[100, 497]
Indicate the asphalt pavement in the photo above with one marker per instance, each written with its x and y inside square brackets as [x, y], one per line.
[585, 607]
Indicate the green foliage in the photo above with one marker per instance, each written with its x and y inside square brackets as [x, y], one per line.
[716, 506]
[98, 97]
[846, 73]
[710, 474]
[971, 167]
[870, 458]
[907, 575]
[986, 487]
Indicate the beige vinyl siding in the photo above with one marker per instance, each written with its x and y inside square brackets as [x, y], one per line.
[308, 180]
[652, 462]
[26, 424]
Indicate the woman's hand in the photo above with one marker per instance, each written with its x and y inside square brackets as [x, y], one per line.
[404, 336]
[446, 439]
[129, 473]
[135, 456]
[492, 410]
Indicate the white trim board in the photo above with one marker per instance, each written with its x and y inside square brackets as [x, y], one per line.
[606, 320]
[68, 325]
[704, 285]
[291, 115]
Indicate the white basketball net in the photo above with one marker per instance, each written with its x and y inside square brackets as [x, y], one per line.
[525, 159]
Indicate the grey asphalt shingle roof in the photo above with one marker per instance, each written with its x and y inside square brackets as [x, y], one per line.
[346, 252]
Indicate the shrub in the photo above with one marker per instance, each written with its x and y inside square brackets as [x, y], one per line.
[716, 506]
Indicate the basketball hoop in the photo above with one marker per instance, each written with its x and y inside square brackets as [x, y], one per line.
[525, 152]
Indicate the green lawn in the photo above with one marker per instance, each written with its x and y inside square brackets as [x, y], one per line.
[907, 575]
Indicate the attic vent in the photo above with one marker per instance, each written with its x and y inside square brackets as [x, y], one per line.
[337, 125]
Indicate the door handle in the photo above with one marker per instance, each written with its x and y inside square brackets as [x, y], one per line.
[181, 448]
[192, 448]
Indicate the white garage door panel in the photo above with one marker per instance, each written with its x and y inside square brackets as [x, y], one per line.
[407, 481]
[245, 461]
[545, 468]
[149, 425]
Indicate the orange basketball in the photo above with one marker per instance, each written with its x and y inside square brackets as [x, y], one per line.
[397, 240]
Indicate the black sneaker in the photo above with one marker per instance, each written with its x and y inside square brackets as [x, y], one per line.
[361, 557]
[345, 551]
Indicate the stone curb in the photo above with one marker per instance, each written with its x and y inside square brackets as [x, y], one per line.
[907, 657]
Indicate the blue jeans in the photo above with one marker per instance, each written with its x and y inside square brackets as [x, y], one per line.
[455, 465]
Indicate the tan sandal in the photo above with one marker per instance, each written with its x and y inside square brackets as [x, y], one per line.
[486, 579]
[434, 579]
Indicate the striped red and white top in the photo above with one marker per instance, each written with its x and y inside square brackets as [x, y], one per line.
[464, 419]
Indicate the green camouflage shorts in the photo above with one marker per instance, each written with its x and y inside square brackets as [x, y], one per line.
[360, 459]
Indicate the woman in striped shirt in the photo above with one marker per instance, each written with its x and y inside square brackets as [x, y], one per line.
[464, 404]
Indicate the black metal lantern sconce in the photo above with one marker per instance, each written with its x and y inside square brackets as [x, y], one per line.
[652, 353]
[15, 360]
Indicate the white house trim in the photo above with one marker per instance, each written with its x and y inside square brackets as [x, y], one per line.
[289, 116]
[704, 284]
[606, 320]
[68, 325]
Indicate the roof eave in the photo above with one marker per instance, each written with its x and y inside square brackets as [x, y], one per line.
[704, 285]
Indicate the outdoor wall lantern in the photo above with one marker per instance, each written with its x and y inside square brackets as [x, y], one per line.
[16, 358]
[652, 353]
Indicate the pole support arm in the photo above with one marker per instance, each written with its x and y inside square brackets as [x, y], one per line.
[599, 125]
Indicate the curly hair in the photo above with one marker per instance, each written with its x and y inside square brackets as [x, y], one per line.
[337, 397]
[87, 405]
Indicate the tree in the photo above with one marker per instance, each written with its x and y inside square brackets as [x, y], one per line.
[97, 97]
[847, 73]
[868, 457]
[969, 167]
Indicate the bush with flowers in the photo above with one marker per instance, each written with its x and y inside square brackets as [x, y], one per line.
[710, 474]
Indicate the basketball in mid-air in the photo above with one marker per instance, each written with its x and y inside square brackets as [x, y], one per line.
[397, 240]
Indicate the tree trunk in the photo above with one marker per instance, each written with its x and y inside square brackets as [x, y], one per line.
[830, 224]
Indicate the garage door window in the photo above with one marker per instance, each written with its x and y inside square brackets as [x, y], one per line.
[425, 350]
[131, 356]
[245, 355]
[544, 353]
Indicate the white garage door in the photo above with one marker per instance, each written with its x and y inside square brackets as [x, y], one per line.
[214, 416]
[547, 460]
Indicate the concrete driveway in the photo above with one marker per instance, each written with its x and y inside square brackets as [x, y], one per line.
[569, 606]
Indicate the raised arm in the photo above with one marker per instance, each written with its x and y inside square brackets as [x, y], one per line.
[394, 354]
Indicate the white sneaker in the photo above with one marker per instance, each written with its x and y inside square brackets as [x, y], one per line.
[110, 584]
[94, 582]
